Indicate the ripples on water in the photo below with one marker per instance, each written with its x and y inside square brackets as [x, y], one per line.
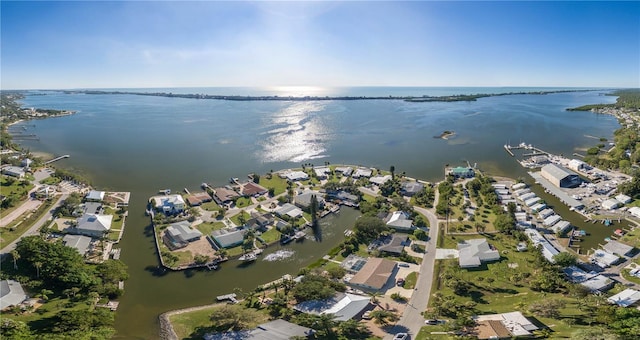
[279, 255]
[295, 133]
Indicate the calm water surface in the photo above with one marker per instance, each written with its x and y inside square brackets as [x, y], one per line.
[141, 144]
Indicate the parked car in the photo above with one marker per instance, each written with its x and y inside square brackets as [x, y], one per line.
[401, 336]
[434, 321]
[406, 265]
[400, 282]
[367, 315]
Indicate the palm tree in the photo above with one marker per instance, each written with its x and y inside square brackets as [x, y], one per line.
[15, 255]
[384, 317]
[327, 322]
[392, 170]
[38, 265]
[374, 297]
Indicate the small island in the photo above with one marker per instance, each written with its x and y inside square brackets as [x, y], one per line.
[446, 134]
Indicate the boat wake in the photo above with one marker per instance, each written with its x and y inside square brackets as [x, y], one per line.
[279, 255]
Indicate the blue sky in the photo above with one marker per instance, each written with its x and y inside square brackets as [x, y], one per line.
[85, 44]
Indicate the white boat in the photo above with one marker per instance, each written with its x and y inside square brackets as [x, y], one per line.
[248, 257]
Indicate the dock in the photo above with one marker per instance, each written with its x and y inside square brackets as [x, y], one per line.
[186, 191]
[230, 297]
[508, 149]
[56, 159]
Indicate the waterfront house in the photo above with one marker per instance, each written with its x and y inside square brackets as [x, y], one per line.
[374, 275]
[538, 241]
[322, 172]
[344, 306]
[295, 175]
[168, 204]
[344, 170]
[610, 204]
[260, 221]
[13, 171]
[343, 196]
[224, 195]
[95, 196]
[625, 298]
[362, 172]
[380, 180]
[197, 198]
[92, 225]
[400, 221]
[474, 252]
[622, 198]
[26, 162]
[634, 211]
[77, 242]
[228, 238]
[603, 258]
[11, 294]
[273, 330]
[303, 200]
[561, 227]
[288, 209]
[178, 235]
[411, 188]
[503, 326]
[253, 189]
[394, 244]
[518, 186]
[616, 247]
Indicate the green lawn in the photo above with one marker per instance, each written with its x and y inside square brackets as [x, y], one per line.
[236, 218]
[410, 280]
[625, 274]
[210, 206]
[206, 228]
[270, 236]
[51, 180]
[113, 235]
[632, 238]
[22, 223]
[45, 315]
[242, 202]
[278, 184]
[13, 189]
[186, 324]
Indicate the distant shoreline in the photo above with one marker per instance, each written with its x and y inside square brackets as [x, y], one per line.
[413, 99]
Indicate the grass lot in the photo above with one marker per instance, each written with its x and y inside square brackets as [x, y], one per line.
[369, 198]
[51, 180]
[17, 228]
[14, 189]
[235, 251]
[625, 274]
[113, 235]
[242, 202]
[410, 280]
[206, 228]
[236, 218]
[186, 324]
[210, 206]
[631, 238]
[270, 236]
[44, 316]
[494, 291]
[278, 184]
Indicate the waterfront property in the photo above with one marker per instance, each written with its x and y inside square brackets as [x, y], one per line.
[411, 188]
[93, 225]
[288, 209]
[229, 238]
[374, 275]
[13, 171]
[503, 326]
[603, 258]
[462, 172]
[77, 242]
[394, 244]
[95, 196]
[178, 235]
[253, 189]
[548, 250]
[400, 221]
[168, 204]
[472, 253]
[556, 191]
[560, 176]
[619, 248]
[294, 175]
[224, 195]
[344, 170]
[380, 180]
[362, 172]
[197, 198]
[273, 330]
[303, 200]
[344, 306]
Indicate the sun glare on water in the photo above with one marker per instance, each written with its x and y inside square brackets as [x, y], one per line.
[299, 91]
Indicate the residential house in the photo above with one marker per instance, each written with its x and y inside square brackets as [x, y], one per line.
[411, 188]
[288, 209]
[295, 175]
[374, 275]
[592, 281]
[322, 172]
[78, 242]
[197, 198]
[362, 172]
[260, 221]
[168, 204]
[95, 196]
[224, 195]
[344, 197]
[93, 225]
[11, 294]
[178, 235]
[253, 189]
[400, 221]
[380, 180]
[394, 244]
[472, 253]
[462, 172]
[503, 326]
[603, 258]
[303, 200]
[344, 170]
[619, 248]
[625, 298]
[344, 306]
[26, 162]
[228, 238]
[273, 330]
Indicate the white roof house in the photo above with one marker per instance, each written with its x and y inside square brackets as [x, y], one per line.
[548, 250]
[561, 227]
[625, 298]
[11, 294]
[551, 220]
[538, 207]
[617, 247]
[289, 210]
[379, 180]
[13, 171]
[95, 195]
[399, 220]
[295, 176]
[622, 198]
[518, 186]
[78, 242]
[610, 204]
[344, 306]
[345, 170]
[603, 258]
[546, 213]
[522, 191]
[635, 211]
[169, 203]
[473, 252]
[516, 323]
[526, 196]
[322, 172]
[362, 172]
[532, 201]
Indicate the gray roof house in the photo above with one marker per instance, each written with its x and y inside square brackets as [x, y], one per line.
[93, 225]
[273, 330]
[399, 220]
[78, 242]
[289, 210]
[13, 171]
[344, 306]
[472, 253]
[304, 200]
[616, 247]
[395, 244]
[411, 188]
[178, 235]
[227, 238]
[11, 294]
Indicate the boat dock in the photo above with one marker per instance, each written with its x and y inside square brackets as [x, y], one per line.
[56, 159]
[508, 149]
[230, 297]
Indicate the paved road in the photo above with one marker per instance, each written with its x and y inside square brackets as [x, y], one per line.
[28, 205]
[34, 230]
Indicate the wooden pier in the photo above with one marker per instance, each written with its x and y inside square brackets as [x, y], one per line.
[56, 159]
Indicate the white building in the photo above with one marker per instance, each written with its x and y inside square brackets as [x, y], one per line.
[610, 204]
[472, 253]
[168, 203]
[635, 211]
[379, 180]
[577, 165]
[560, 176]
[622, 198]
[295, 176]
[625, 298]
[13, 171]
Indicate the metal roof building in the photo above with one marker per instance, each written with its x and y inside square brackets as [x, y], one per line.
[560, 176]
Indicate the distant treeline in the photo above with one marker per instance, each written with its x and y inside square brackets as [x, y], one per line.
[425, 98]
[629, 99]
